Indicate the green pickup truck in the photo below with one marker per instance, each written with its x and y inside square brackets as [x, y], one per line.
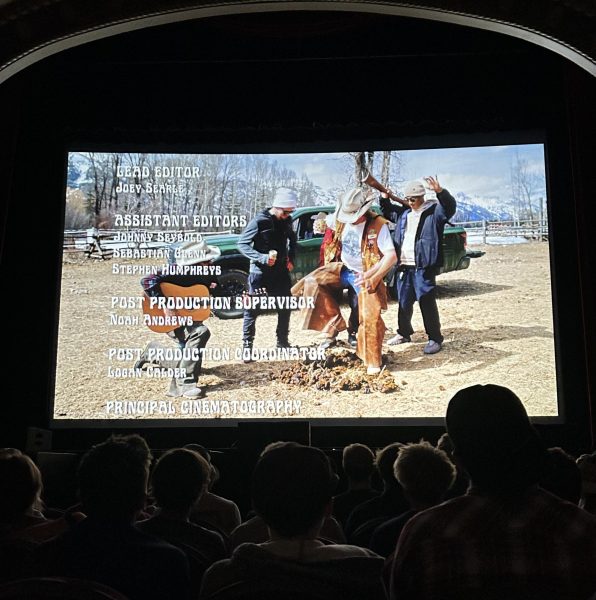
[235, 266]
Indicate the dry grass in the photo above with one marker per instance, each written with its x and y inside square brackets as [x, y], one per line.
[496, 317]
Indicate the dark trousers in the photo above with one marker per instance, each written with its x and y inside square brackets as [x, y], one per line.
[191, 336]
[347, 279]
[194, 336]
[275, 282]
[418, 284]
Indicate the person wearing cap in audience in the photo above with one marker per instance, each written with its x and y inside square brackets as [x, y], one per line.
[192, 337]
[357, 256]
[418, 238]
[269, 242]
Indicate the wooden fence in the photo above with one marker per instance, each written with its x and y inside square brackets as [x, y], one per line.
[85, 240]
[531, 230]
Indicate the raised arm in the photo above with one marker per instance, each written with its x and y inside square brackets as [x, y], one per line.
[446, 200]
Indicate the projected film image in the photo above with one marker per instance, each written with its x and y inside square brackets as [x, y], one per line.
[347, 285]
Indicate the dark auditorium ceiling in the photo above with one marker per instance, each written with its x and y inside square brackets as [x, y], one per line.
[29, 25]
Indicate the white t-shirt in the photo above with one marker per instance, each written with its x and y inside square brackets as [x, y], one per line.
[408, 253]
[351, 243]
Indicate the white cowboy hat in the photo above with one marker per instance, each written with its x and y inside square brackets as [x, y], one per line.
[192, 253]
[353, 205]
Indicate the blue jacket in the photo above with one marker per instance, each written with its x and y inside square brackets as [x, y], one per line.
[429, 236]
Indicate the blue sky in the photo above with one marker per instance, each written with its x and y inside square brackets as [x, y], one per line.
[478, 171]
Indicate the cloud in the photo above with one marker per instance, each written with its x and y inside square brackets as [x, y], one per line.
[475, 185]
[476, 171]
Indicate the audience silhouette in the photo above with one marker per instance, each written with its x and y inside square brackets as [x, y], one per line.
[178, 480]
[212, 510]
[390, 503]
[292, 492]
[516, 523]
[506, 538]
[358, 462]
[425, 474]
[20, 495]
[106, 546]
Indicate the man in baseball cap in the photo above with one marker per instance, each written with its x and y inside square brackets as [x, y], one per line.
[269, 242]
[418, 239]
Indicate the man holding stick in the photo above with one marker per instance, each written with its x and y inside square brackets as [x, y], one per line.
[418, 239]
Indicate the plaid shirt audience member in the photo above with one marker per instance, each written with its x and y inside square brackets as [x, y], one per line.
[479, 546]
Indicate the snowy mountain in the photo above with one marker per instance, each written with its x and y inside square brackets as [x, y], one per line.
[481, 208]
[78, 167]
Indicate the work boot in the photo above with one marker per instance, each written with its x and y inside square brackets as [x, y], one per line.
[352, 339]
[247, 352]
[173, 391]
[284, 343]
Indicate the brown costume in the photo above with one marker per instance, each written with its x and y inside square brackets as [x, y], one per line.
[324, 283]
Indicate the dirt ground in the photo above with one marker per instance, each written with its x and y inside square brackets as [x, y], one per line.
[496, 317]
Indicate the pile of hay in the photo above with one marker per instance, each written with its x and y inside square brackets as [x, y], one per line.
[341, 370]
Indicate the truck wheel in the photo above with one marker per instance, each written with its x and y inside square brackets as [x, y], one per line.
[231, 283]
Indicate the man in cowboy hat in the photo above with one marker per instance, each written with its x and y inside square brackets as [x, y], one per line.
[269, 242]
[190, 338]
[357, 256]
[418, 238]
[319, 226]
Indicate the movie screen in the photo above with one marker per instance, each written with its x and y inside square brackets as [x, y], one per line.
[346, 286]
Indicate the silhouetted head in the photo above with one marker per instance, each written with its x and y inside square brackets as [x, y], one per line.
[213, 470]
[138, 443]
[113, 479]
[385, 461]
[292, 487]
[20, 484]
[358, 462]
[424, 472]
[494, 440]
[179, 478]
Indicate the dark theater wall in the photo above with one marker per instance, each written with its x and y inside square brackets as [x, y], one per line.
[291, 80]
